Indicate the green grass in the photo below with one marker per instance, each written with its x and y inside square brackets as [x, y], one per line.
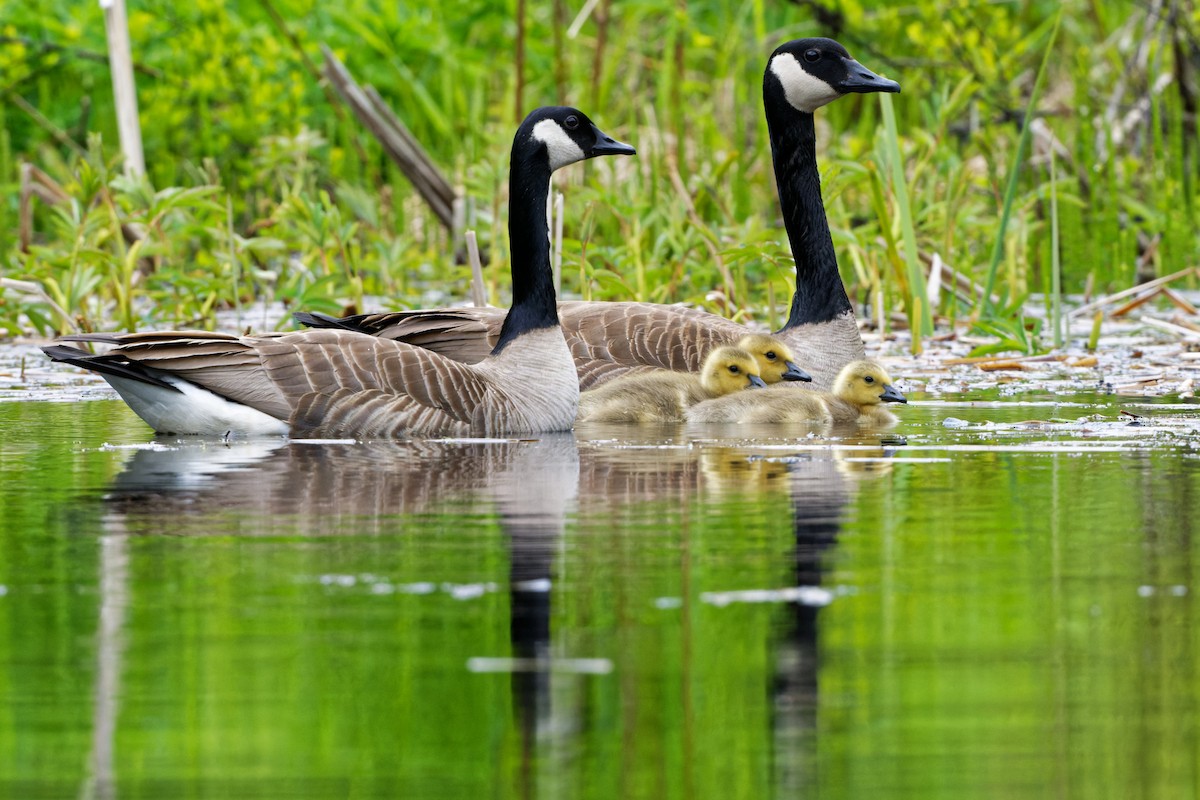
[234, 121]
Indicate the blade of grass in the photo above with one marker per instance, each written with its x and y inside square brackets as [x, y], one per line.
[1094, 339]
[919, 321]
[1056, 316]
[233, 261]
[1015, 171]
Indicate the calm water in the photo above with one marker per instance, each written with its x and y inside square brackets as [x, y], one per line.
[1001, 607]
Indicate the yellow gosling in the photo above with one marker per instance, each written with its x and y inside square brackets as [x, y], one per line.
[861, 389]
[859, 392]
[775, 360]
[663, 396]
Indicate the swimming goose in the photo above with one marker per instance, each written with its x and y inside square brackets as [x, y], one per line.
[609, 338]
[342, 383]
[663, 396]
[857, 397]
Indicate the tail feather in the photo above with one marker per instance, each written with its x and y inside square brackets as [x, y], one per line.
[107, 364]
[315, 319]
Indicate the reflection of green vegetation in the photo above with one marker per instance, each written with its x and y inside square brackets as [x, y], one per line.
[227, 101]
[1000, 624]
[49, 516]
[1006, 634]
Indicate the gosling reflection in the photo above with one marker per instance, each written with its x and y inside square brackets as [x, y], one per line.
[815, 470]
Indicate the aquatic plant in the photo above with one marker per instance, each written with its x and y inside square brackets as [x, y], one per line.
[274, 192]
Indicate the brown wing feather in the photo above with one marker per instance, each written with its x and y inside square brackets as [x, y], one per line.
[612, 339]
[606, 339]
[467, 335]
[327, 381]
[357, 376]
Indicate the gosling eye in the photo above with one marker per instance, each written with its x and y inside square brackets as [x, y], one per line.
[812, 56]
[571, 122]
[869, 379]
[734, 369]
[771, 356]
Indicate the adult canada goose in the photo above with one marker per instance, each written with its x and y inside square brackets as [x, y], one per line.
[608, 338]
[857, 397]
[664, 396]
[341, 383]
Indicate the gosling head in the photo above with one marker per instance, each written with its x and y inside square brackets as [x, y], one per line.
[775, 360]
[866, 383]
[810, 73]
[729, 369]
[564, 135]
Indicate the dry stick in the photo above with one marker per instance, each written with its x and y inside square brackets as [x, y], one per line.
[458, 209]
[1180, 302]
[1135, 303]
[602, 18]
[706, 234]
[59, 135]
[1112, 298]
[1185, 323]
[395, 139]
[34, 183]
[560, 62]
[557, 230]
[1010, 359]
[37, 290]
[25, 210]
[478, 295]
[76, 52]
[581, 17]
[677, 79]
[1178, 330]
[1116, 98]
[233, 260]
[964, 288]
[46, 188]
[933, 287]
[120, 58]
[422, 163]
[517, 99]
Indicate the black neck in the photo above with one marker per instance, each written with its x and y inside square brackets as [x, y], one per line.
[533, 303]
[820, 295]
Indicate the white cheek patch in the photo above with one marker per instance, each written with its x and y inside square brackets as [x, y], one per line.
[803, 91]
[562, 148]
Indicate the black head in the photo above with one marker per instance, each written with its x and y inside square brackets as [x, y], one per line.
[809, 73]
[565, 135]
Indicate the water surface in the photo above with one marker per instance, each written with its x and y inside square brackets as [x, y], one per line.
[1000, 606]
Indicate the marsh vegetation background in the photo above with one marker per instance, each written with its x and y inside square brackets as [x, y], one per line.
[260, 186]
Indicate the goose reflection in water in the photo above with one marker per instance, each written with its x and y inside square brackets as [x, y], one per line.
[534, 487]
[334, 488]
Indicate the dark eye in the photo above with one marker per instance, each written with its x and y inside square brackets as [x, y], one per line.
[734, 369]
[812, 56]
[771, 356]
[571, 122]
[869, 379]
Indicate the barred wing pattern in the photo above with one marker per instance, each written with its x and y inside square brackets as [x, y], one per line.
[608, 340]
[338, 383]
